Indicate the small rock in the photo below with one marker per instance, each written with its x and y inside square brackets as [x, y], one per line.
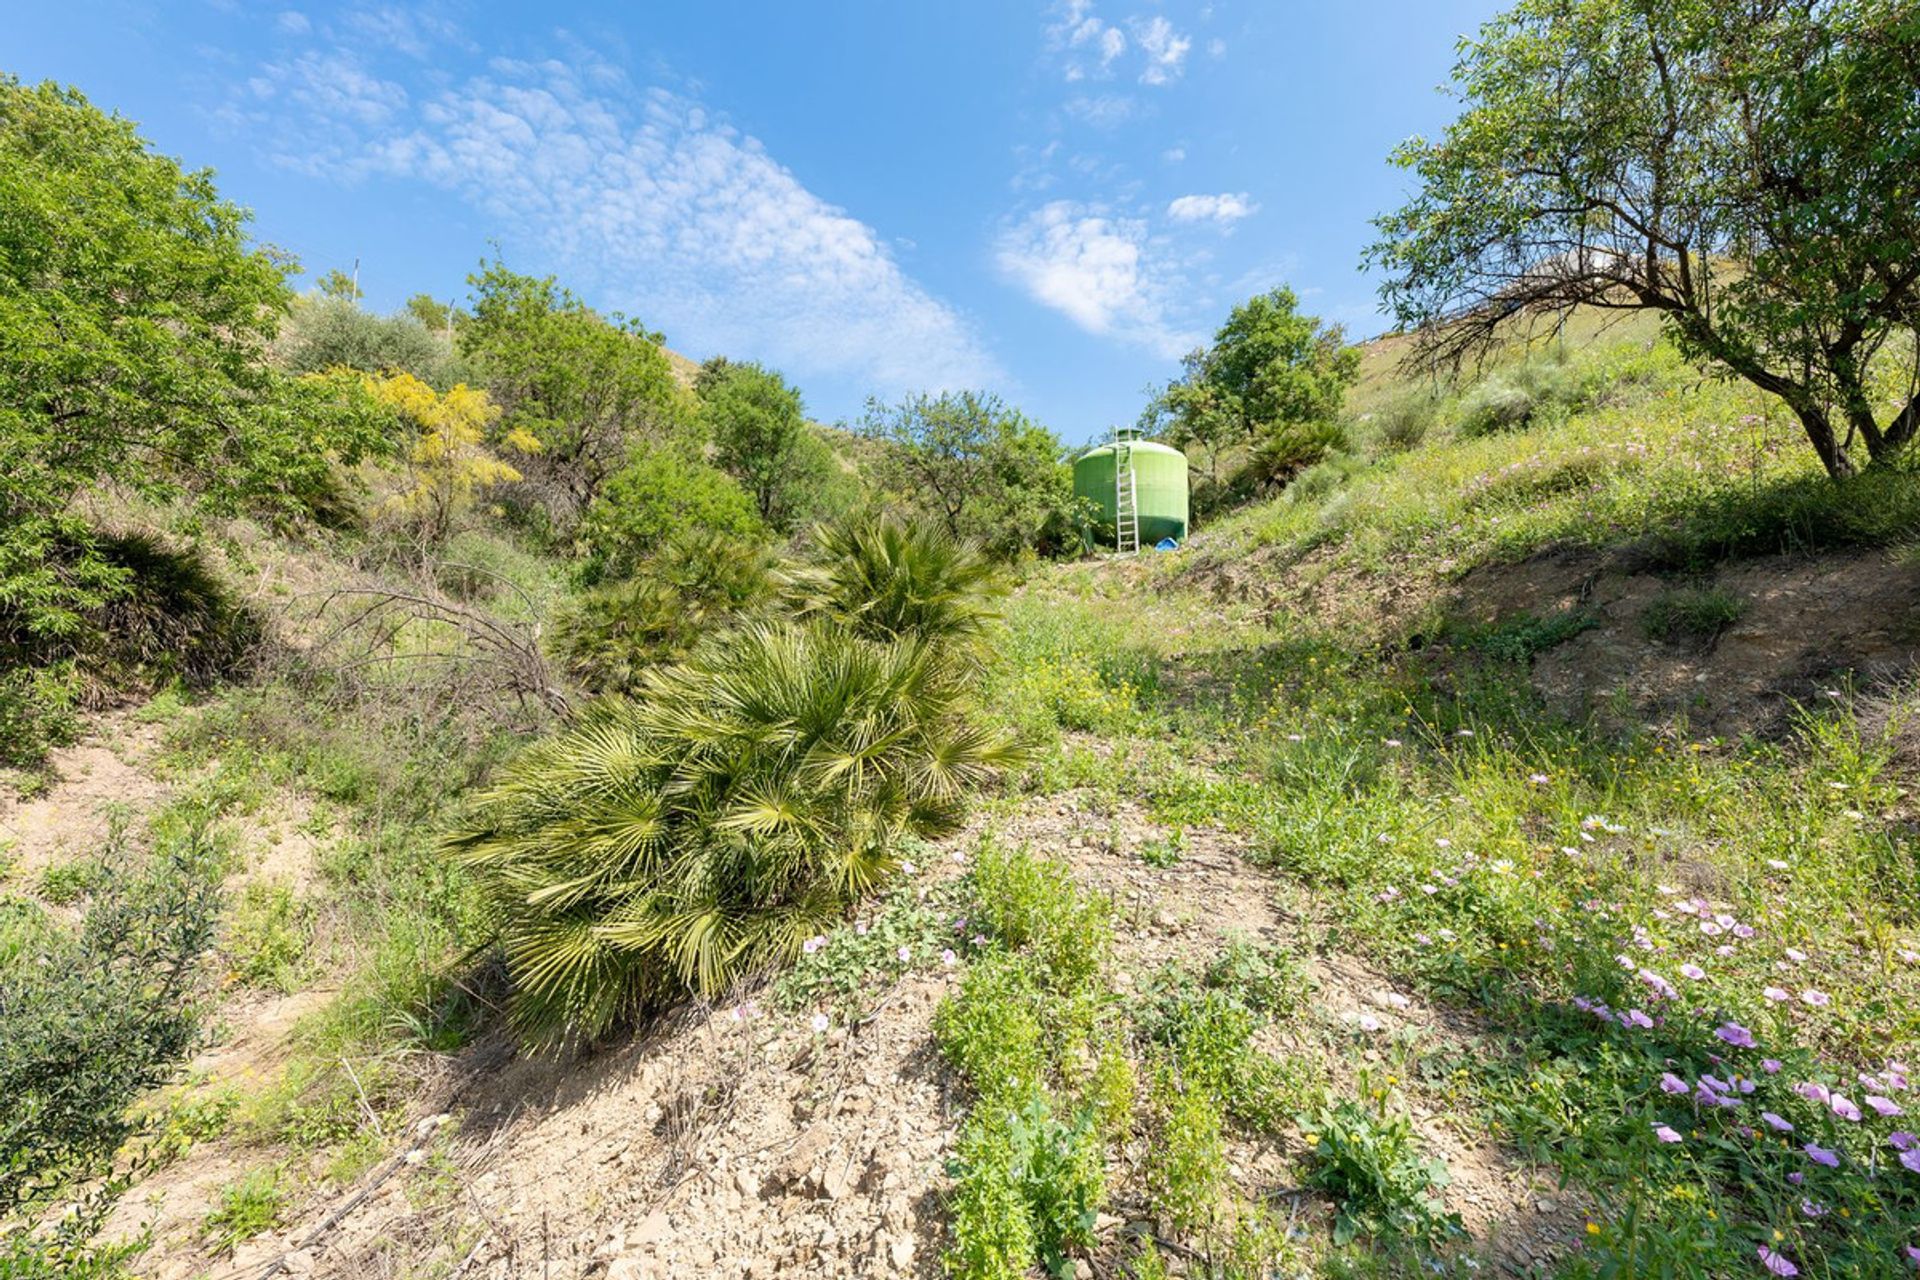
[900, 1252]
[746, 1184]
[1082, 1269]
[651, 1229]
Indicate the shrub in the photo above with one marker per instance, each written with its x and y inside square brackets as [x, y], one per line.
[887, 578]
[609, 637]
[1404, 421]
[703, 831]
[266, 937]
[659, 496]
[248, 1205]
[162, 617]
[1290, 448]
[91, 1022]
[323, 333]
[1186, 1163]
[1516, 397]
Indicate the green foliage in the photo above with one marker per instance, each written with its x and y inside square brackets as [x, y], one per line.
[325, 333]
[700, 833]
[89, 1022]
[1269, 981]
[137, 318]
[265, 938]
[585, 386]
[887, 579]
[1695, 615]
[993, 1030]
[247, 1206]
[1521, 396]
[1403, 422]
[1273, 379]
[1030, 904]
[976, 464]
[660, 494]
[1187, 1159]
[1367, 1157]
[910, 928]
[1523, 636]
[1603, 155]
[610, 636]
[761, 438]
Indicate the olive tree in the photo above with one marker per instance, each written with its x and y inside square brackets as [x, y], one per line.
[1746, 169]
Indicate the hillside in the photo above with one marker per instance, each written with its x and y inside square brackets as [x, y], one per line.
[1337, 823]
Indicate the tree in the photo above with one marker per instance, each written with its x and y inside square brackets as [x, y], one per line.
[134, 321]
[1743, 168]
[449, 463]
[660, 494]
[1269, 367]
[984, 469]
[583, 385]
[338, 284]
[434, 314]
[761, 438]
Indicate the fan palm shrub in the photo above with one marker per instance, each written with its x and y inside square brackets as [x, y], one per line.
[700, 832]
[612, 634]
[885, 578]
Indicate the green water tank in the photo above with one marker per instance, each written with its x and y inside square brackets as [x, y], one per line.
[1159, 484]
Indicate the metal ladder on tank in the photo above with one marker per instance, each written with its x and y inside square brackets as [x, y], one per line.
[1126, 505]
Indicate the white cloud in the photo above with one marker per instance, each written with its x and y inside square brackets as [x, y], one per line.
[1097, 270]
[1166, 50]
[660, 209]
[1102, 111]
[1174, 155]
[294, 23]
[1225, 209]
[1216, 48]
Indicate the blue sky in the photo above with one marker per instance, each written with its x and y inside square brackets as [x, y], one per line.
[1050, 201]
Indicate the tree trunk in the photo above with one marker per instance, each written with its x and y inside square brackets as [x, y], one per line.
[1820, 432]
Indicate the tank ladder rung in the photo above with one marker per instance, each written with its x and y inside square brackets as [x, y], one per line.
[1126, 522]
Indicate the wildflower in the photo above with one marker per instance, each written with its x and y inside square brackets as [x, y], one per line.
[905, 954]
[978, 940]
[1392, 742]
[1538, 779]
[1776, 994]
[1777, 1263]
[1447, 935]
[1780, 1124]
[1389, 894]
[1709, 927]
[1665, 1133]
[908, 867]
[1843, 1107]
[1910, 1160]
[1911, 957]
[1635, 1018]
[1735, 1034]
[1368, 1022]
[819, 1023]
[1770, 1065]
[1820, 1155]
[1444, 843]
[1693, 971]
[946, 958]
[813, 944]
[1776, 864]
[1812, 1091]
[1811, 1209]
[1815, 999]
[1743, 931]
[959, 859]
[1671, 1083]
[1424, 940]
[1901, 1140]
[1913, 1255]
[1796, 955]
[1887, 1107]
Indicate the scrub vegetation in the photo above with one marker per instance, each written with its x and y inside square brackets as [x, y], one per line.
[1489, 844]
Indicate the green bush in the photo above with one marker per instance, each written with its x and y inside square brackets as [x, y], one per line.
[703, 831]
[265, 937]
[1290, 448]
[610, 636]
[1030, 904]
[1518, 397]
[660, 495]
[90, 1022]
[887, 578]
[1403, 422]
[324, 333]
[247, 1206]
